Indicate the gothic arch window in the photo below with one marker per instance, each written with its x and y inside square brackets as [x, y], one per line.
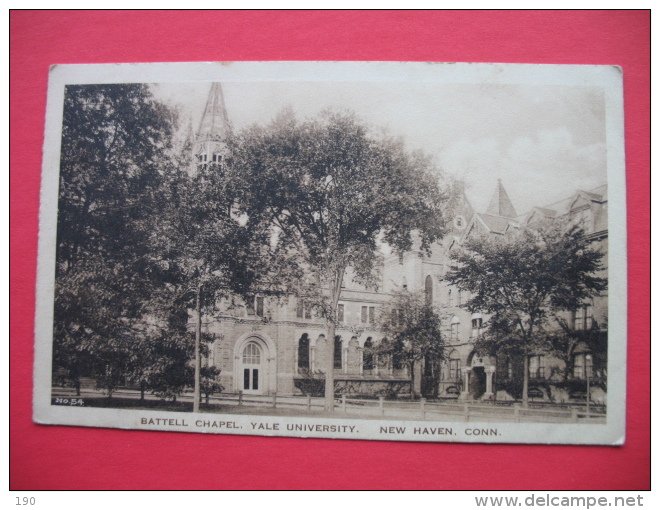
[368, 359]
[337, 358]
[583, 365]
[428, 290]
[251, 354]
[450, 299]
[303, 352]
[454, 368]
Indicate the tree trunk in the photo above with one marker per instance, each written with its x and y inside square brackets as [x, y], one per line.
[413, 393]
[198, 339]
[330, 368]
[143, 386]
[525, 388]
[335, 292]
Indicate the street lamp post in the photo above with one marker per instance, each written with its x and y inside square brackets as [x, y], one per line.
[198, 341]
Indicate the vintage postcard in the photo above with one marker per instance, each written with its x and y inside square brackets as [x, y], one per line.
[355, 250]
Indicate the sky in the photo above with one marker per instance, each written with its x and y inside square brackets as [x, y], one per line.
[544, 142]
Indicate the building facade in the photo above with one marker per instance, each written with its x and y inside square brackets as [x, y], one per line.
[277, 346]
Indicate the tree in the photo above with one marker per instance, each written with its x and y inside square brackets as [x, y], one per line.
[522, 280]
[563, 342]
[414, 331]
[141, 242]
[332, 191]
[209, 249]
[115, 140]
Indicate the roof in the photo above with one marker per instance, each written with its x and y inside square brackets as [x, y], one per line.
[215, 122]
[496, 224]
[500, 204]
[548, 213]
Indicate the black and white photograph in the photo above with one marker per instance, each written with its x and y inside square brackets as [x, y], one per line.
[356, 250]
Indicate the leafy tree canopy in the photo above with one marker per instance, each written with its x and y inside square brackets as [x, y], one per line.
[414, 331]
[332, 190]
[522, 280]
[526, 276]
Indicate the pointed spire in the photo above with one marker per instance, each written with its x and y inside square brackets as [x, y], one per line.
[500, 204]
[210, 143]
[214, 125]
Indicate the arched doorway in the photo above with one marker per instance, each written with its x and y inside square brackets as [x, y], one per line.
[251, 360]
[479, 377]
[253, 366]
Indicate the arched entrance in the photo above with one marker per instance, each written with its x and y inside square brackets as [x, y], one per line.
[253, 370]
[478, 383]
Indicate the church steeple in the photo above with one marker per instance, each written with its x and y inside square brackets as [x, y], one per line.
[210, 141]
[500, 204]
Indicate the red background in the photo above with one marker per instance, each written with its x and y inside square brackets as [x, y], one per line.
[48, 457]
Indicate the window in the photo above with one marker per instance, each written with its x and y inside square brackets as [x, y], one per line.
[217, 158]
[455, 326]
[584, 318]
[368, 358]
[537, 367]
[259, 306]
[583, 365]
[477, 325]
[398, 318]
[303, 352]
[255, 306]
[428, 290]
[397, 361]
[303, 311]
[507, 369]
[459, 297]
[450, 299]
[337, 358]
[368, 315]
[251, 354]
[454, 369]
[340, 314]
